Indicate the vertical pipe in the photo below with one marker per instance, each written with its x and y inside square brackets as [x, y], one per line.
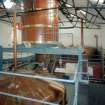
[82, 34]
[82, 46]
[72, 40]
[1, 55]
[14, 40]
[96, 41]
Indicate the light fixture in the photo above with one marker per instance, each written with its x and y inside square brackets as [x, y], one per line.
[9, 4]
[73, 15]
[68, 5]
[83, 12]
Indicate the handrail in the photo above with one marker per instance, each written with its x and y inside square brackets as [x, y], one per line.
[38, 77]
[28, 99]
[75, 80]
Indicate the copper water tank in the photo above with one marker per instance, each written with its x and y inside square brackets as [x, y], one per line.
[42, 25]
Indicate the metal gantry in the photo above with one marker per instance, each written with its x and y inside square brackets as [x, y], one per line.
[54, 51]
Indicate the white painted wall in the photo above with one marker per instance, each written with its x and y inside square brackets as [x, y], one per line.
[89, 39]
[66, 39]
[6, 35]
[102, 37]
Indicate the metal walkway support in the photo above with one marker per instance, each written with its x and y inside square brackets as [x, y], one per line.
[54, 51]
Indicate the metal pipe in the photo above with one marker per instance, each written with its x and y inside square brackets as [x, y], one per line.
[96, 37]
[38, 77]
[45, 50]
[76, 85]
[26, 98]
[72, 39]
[82, 34]
[14, 40]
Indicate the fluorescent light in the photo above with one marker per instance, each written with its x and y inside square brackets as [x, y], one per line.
[8, 4]
[73, 15]
[83, 12]
[68, 5]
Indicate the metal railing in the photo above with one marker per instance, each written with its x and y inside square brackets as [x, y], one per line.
[75, 81]
[77, 78]
[40, 78]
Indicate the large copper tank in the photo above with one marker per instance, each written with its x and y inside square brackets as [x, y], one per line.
[42, 25]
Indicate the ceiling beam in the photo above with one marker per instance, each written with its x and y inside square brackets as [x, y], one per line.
[2, 2]
[95, 8]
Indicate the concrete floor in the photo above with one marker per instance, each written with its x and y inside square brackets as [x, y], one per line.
[92, 94]
[83, 94]
[96, 94]
[70, 94]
